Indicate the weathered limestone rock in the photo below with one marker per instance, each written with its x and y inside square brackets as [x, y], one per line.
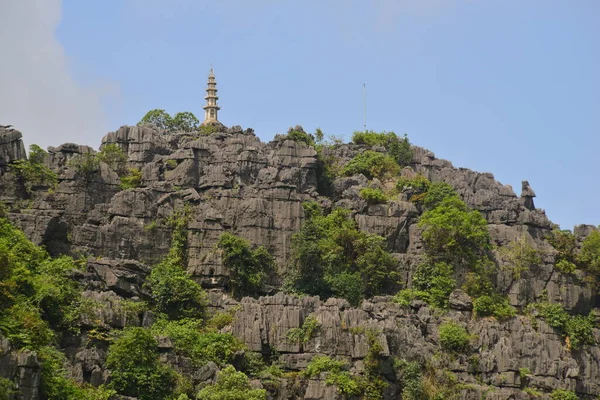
[11, 147]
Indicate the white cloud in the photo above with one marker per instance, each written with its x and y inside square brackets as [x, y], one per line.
[38, 94]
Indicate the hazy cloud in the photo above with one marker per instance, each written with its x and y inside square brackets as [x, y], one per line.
[38, 94]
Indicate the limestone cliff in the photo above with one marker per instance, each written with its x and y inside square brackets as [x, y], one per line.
[233, 182]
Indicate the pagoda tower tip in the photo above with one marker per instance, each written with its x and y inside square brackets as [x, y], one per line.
[211, 108]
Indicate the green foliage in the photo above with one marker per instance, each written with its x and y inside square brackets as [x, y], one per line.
[33, 172]
[184, 122]
[200, 345]
[132, 180]
[301, 136]
[248, 269]
[436, 280]
[519, 256]
[159, 118]
[560, 394]
[57, 384]
[331, 257]
[565, 243]
[577, 329]
[22, 324]
[371, 164]
[410, 377]
[174, 292]
[398, 148]
[454, 233]
[406, 296]
[590, 253]
[8, 389]
[565, 266]
[85, 164]
[454, 337]
[437, 193]
[319, 364]
[524, 373]
[309, 327]
[206, 130]
[493, 305]
[112, 155]
[135, 369]
[416, 187]
[373, 195]
[231, 385]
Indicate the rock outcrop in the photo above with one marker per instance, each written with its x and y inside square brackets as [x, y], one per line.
[230, 181]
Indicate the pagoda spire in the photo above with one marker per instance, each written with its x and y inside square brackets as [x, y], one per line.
[211, 108]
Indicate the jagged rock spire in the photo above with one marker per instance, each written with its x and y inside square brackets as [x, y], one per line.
[211, 108]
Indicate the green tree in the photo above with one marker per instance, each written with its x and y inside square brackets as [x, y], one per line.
[454, 337]
[33, 172]
[330, 256]
[436, 193]
[231, 385]
[159, 118]
[248, 269]
[519, 256]
[174, 293]
[451, 232]
[135, 369]
[184, 121]
[371, 164]
[590, 253]
[112, 155]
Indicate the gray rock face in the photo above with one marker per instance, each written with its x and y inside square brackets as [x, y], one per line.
[11, 147]
[230, 181]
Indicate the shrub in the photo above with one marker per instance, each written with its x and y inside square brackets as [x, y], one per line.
[406, 296]
[590, 252]
[415, 187]
[231, 385]
[565, 243]
[33, 172]
[330, 256]
[8, 389]
[135, 369]
[248, 269]
[579, 330]
[371, 164]
[309, 327]
[519, 256]
[566, 267]
[85, 164]
[409, 375]
[454, 337]
[398, 149]
[132, 180]
[524, 373]
[373, 196]
[435, 279]
[319, 364]
[301, 136]
[493, 305]
[174, 292]
[112, 155]
[200, 345]
[453, 233]
[437, 193]
[560, 394]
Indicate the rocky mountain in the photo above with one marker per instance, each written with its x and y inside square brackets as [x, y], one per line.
[118, 219]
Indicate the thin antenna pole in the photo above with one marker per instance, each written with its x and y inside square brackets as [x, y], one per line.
[365, 99]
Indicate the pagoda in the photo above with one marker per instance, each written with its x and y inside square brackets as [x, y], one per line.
[211, 108]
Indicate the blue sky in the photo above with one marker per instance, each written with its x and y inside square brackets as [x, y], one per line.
[503, 86]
